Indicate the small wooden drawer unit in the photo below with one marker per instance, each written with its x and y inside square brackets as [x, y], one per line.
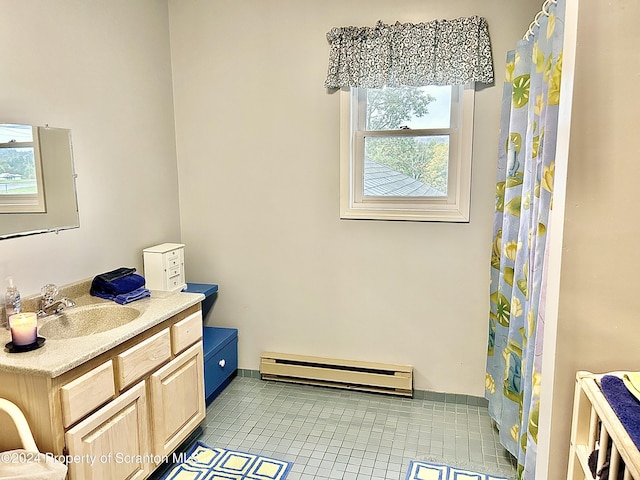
[164, 267]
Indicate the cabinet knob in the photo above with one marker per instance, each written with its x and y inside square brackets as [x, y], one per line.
[222, 363]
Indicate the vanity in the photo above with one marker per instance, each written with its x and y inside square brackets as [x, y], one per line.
[113, 403]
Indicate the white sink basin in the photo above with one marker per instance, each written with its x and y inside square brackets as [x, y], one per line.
[83, 321]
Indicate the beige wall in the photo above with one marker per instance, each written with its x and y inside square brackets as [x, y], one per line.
[101, 68]
[258, 162]
[258, 165]
[257, 142]
[598, 319]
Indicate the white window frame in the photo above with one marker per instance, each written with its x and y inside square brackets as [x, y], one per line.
[455, 207]
[26, 203]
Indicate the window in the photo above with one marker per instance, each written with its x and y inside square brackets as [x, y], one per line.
[21, 189]
[406, 153]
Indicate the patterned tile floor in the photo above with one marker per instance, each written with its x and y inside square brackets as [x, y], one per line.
[339, 434]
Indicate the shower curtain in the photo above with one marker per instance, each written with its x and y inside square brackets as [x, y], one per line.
[524, 201]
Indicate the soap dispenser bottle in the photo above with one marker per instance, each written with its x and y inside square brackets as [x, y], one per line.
[12, 302]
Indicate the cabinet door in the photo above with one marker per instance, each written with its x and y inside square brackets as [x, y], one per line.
[112, 443]
[177, 400]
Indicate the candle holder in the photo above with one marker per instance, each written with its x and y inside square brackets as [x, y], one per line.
[24, 332]
[11, 348]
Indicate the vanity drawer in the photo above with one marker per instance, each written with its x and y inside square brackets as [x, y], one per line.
[86, 393]
[186, 332]
[143, 358]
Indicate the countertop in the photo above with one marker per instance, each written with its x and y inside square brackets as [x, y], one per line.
[56, 357]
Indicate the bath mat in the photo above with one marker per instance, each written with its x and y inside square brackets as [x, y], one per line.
[204, 462]
[419, 470]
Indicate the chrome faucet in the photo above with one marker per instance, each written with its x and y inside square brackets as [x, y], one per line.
[50, 304]
[56, 307]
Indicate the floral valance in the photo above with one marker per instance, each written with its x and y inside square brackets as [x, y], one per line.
[441, 52]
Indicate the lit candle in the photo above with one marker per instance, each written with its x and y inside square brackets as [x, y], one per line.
[24, 328]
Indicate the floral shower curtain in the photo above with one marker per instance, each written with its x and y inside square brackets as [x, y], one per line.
[524, 200]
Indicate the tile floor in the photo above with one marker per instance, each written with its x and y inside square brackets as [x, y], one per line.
[339, 434]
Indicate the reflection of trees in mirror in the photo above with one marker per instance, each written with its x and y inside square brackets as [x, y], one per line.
[17, 160]
[18, 171]
[28, 214]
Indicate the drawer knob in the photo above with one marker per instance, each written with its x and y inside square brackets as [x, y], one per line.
[222, 363]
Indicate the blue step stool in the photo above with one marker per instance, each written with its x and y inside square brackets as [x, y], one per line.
[220, 359]
[220, 346]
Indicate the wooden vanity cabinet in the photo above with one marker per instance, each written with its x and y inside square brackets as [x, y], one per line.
[121, 412]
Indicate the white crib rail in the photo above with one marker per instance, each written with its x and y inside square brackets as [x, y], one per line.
[596, 426]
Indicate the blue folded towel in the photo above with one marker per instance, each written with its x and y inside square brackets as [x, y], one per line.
[118, 286]
[137, 294]
[624, 404]
[117, 273]
[125, 298]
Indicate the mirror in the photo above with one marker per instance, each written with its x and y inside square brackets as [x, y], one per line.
[38, 185]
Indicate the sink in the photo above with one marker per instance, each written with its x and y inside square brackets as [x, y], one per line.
[83, 321]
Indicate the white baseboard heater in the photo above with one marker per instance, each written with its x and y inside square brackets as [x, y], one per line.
[332, 372]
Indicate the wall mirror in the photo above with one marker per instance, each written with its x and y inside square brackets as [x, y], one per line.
[37, 180]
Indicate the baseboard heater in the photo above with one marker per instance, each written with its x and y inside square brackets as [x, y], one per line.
[332, 372]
